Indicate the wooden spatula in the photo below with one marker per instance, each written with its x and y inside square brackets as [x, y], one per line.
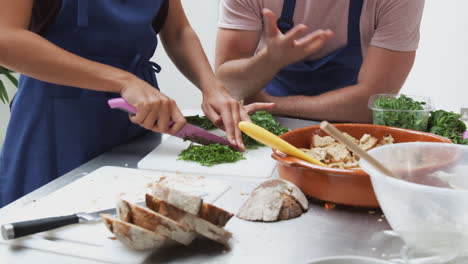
[336, 133]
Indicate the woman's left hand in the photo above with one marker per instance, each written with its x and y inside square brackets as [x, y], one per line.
[226, 113]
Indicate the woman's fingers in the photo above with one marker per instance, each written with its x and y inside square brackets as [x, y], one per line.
[140, 116]
[162, 124]
[236, 116]
[177, 117]
[228, 122]
[215, 118]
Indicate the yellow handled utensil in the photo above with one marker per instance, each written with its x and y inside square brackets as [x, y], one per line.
[266, 137]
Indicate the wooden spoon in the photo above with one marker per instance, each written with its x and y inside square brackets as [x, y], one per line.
[336, 133]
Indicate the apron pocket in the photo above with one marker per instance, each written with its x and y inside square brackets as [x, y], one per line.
[85, 128]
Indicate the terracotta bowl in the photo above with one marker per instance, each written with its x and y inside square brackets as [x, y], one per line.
[341, 186]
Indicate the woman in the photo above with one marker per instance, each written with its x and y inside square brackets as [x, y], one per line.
[75, 55]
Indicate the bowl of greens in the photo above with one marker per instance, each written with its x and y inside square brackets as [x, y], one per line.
[399, 110]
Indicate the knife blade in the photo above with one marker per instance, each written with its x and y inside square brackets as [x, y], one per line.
[25, 228]
[188, 131]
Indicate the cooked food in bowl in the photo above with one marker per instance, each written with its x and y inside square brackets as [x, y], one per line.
[336, 155]
[342, 186]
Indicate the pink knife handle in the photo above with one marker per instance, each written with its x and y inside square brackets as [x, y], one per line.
[122, 104]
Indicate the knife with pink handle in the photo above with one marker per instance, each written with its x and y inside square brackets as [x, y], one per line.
[188, 131]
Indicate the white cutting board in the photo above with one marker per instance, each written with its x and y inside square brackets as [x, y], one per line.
[258, 162]
[96, 191]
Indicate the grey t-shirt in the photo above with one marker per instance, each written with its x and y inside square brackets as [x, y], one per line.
[389, 24]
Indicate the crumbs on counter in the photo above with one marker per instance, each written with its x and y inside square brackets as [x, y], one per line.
[329, 206]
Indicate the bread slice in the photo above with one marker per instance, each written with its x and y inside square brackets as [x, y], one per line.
[191, 204]
[215, 215]
[134, 236]
[273, 200]
[154, 222]
[193, 222]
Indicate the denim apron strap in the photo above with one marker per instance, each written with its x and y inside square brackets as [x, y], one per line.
[286, 21]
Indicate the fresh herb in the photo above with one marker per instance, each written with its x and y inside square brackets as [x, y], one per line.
[416, 120]
[447, 124]
[268, 122]
[200, 121]
[261, 118]
[210, 155]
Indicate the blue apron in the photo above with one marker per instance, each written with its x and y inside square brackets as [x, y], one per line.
[53, 128]
[338, 69]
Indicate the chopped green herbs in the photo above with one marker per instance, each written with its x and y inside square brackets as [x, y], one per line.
[210, 155]
[402, 116]
[200, 121]
[447, 124]
[261, 118]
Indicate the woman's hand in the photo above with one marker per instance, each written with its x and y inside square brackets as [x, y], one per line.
[155, 110]
[226, 113]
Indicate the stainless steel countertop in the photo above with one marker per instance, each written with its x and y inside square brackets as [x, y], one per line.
[318, 233]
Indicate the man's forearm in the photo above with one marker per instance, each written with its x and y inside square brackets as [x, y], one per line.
[246, 77]
[347, 104]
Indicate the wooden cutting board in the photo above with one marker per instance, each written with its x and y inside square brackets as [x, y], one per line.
[96, 191]
[258, 162]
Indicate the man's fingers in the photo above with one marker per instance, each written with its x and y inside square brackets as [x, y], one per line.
[296, 32]
[254, 107]
[269, 20]
[315, 40]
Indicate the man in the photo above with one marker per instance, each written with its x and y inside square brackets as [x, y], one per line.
[321, 59]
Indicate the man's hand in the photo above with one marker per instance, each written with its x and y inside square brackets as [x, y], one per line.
[226, 113]
[284, 49]
[155, 110]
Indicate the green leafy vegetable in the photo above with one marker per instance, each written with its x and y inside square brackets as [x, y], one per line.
[447, 124]
[210, 155]
[200, 121]
[261, 118]
[268, 122]
[401, 117]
